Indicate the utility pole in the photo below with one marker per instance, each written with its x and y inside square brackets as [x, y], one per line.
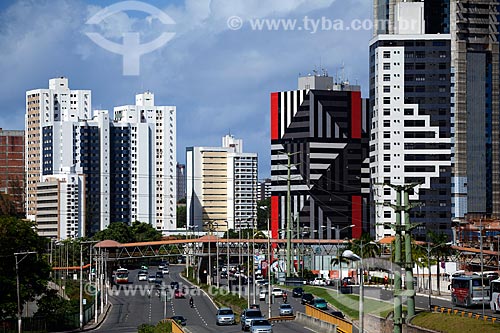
[19, 314]
[402, 192]
[288, 219]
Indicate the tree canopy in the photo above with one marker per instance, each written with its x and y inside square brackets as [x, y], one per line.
[18, 236]
[123, 233]
[365, 242]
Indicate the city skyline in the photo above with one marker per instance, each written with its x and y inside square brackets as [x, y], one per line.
[195, 71]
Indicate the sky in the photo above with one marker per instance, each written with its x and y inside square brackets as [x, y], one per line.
[222, 61]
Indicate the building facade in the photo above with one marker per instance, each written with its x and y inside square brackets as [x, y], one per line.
[126, 162]
[221, 186]
[265, 189]
[474, 66]
[12, 168]
[181, 182]
[319, 135]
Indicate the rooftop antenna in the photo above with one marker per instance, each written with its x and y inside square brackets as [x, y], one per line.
[343, 73]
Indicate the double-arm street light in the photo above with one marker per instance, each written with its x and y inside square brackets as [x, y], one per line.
[19, 315]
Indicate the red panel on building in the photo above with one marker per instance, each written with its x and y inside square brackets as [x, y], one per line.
[274, 116]
[274, 216]
[356, 115]
[357, 216]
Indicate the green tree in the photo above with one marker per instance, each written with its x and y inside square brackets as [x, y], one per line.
[117, 231]
[53, 307]
[144, 232]
[263, 214]
[181, 216]
[16, 236]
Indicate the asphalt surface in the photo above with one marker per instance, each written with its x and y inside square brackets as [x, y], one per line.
[133, 306]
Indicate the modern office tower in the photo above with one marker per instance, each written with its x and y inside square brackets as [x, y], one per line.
[43, 106]
[152, 159]
[473, 27]
[60, 205]
[265, 189]
[181, 182]
[410, 89]
[127, 163]
[221, 186]
[12, 168]
[319, 133]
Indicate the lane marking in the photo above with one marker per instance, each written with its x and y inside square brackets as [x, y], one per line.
[310, 329]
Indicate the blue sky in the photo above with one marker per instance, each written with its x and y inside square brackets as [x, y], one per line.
[219, 79]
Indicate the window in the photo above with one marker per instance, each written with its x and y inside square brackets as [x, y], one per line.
[387, 100]
[387, 112]
[387, 168]
[387, 145]
[387, 135]
[387, 157]
[387, 89]
[387, 123]
[387, 77]
[387, 66]
[387, 54]
[387, 191]
[387, 214]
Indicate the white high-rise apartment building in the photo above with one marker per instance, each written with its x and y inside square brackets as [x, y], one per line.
[153, 160]
[222, 186]
[125, 167]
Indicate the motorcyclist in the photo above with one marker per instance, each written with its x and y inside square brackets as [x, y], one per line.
[191, 301]
[285, 297]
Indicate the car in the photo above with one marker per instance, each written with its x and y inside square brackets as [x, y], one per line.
[261, 282]
[320, 303]
[179, 319]
[254, 306]
[178, 294]
[159, 274]
[174, 285]
[144, 267]
[306, 298]
[165, 270]
[261, 326]
[152, 278]
[163, 264]
[247, 316]
[262, 294]
[348, 281]
[286, 310]
[319, 282]
[142, 276]
[277, 292]
[297, 292]
[225, 316]
[338, 314]
[223, 275]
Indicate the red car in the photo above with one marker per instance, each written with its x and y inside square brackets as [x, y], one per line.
[178, 294]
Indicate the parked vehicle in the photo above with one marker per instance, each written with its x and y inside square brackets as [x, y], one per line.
[286, 310]
[247, 316]
[320, 303]
[179, 319]
[307, 298]
[225, 316]
[297, 292]
[260, 326]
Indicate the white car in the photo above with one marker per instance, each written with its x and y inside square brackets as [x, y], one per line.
[319, 282]
[142, 276]
[262, 294]
[165, 270]
[277, 292]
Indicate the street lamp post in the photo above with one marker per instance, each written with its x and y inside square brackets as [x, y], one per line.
[361, 289]
[19, 315]
[268, 261]
[339, 257]
[81, 280]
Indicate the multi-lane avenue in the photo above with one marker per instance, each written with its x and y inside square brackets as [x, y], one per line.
[133, 305]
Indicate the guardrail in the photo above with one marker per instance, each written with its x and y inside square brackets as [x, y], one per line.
[282, 318]
[343, 326]
[464, 313]
[176, 328]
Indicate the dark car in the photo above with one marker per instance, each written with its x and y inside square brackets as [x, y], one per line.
[159, 275]
[307, 298]
[297, 292]
[179, 319]
[174, 285]
[254, 306]
[338, 314]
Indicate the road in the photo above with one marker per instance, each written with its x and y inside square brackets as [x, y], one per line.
[132, 307]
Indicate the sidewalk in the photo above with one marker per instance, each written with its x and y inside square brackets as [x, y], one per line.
[92, 325]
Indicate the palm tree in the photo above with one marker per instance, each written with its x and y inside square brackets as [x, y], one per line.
[441, 250]
[370, 249]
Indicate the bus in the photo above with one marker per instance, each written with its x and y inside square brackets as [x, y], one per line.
[469, 290]
[495, 295]
[122, 276]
